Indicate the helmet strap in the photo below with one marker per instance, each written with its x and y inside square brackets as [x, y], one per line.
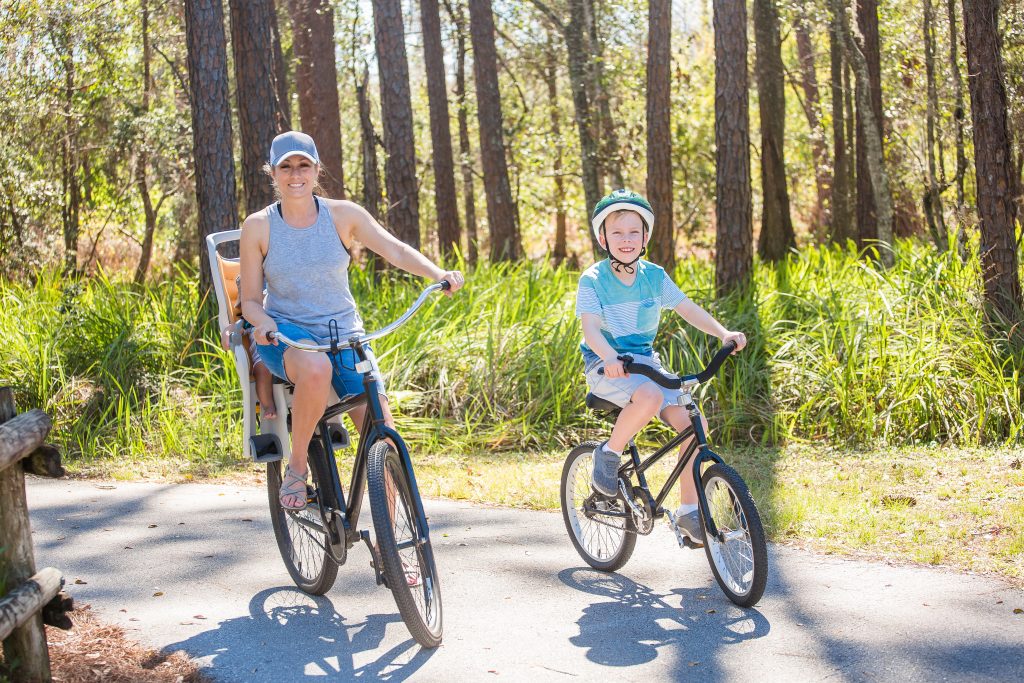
[621, 266]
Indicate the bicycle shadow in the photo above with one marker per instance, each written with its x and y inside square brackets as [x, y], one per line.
[638, 623]
[289, 634]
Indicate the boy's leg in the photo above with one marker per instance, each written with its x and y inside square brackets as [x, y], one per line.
[642, 406]
[687, 516]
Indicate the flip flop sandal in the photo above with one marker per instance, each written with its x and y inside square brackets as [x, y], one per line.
[293, 486]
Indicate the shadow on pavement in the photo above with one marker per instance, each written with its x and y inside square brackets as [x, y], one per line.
[638, 624]
[289, 634]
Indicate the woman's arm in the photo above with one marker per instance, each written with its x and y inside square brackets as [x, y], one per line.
[250, 256]
[368, 231]
[705, 322]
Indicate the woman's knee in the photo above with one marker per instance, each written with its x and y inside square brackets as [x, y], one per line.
[308, 368]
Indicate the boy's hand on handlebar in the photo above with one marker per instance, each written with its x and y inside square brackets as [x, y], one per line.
[260, 333]
[613, 368]
[455, 281]
[737, 338]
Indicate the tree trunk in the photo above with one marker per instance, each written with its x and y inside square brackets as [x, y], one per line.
[560, 251]
[71, 191]
[959, 115]
[142, 159]
[610, 161]
[776, 237]
[396, 111]
[465, 151]
[372, 198]
[992, 159]
[449, 233]
[316, 78]
[501, 212]
[282, 105]
[812, 109]
[933, 193]
[659, 133]
[871, 141]
[252, 47]
[867, 199]
[841, 229]
[733, 222]
[211, 126]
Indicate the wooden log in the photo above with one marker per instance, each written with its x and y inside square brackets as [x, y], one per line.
[27, 644]
[22, 435]
[28, 599]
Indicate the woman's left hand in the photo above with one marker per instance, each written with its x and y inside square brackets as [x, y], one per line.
[738, 337]
[454, 279]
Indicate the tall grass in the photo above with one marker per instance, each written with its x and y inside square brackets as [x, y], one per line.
[839, 351]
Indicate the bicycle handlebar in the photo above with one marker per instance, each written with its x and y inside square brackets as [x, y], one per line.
[672, 381]
[443, 285]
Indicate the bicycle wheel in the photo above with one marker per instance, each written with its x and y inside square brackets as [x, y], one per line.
[301, 535]
[406, 556]
[738, 556]
[601, 540]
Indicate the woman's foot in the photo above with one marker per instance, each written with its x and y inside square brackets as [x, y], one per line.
[293, 489]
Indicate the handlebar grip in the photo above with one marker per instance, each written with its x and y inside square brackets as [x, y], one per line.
[712, 369]
[271, 335]
[445, 285]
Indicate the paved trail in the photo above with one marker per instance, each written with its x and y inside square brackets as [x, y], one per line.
[196, 567]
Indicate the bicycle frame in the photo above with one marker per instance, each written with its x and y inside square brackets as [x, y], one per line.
[698, 445]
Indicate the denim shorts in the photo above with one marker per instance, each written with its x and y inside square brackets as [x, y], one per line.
[345, 380]
[619, 390]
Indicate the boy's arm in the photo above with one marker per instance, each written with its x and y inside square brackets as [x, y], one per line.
[599, 345]
[705, 322]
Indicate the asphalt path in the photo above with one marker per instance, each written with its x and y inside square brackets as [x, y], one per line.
[195, 567]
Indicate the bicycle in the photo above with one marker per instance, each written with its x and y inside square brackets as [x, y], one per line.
[604, 530]
[314, 541]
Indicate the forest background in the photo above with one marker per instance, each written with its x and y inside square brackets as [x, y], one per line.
[839, 180]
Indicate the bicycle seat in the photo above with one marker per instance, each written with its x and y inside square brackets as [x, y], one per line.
[600, 405]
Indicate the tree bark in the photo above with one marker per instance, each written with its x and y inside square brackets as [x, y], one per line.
[403, 204]
[871, 141]
[993, 162]
[71, 189]
[316, 79]
[211, 126]
[776, 237]
[610, 161]
[841, 228]
[501, 212]
[449, 233]
[282, 105]
[372, 198]
[142, 159]
[659, 134]
[560, 251]
[959, 115]
[933, 193]
[733, 229]
[867, 200]
[465, 150]
[812, 109]
[252, 47]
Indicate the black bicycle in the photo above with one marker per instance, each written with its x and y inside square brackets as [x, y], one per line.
[314, 541]
[604, 529]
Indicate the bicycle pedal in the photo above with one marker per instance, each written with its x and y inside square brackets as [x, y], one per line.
[682, 539]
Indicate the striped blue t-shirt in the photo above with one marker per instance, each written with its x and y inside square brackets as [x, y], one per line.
[629, 315]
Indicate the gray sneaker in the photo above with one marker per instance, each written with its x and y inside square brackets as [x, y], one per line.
[605, 475]
[691, 526]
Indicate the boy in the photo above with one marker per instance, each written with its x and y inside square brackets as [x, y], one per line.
[619, 302]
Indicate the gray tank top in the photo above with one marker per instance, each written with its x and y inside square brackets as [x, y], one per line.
[306, 271]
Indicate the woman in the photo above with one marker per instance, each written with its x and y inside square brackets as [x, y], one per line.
[300, 247]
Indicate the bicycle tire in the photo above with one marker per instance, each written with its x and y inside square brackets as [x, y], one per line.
[301, 535]
[400, 546]
[739, 557]
[604, 546]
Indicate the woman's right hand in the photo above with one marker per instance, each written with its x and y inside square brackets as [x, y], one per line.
[260, 333]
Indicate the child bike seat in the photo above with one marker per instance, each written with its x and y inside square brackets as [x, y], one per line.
[600, 405]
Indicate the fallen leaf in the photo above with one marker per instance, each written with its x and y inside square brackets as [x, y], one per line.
[1018, 610]
[79, 582]
[187, 623]
[106, 487]
[246, 519]
[128, 547]
[709, 611]
[694, 663]
[152, 526]
[132, 619]
[108, 529]
[198, 616]
[158, 594]
[122, 610]
[181, 523]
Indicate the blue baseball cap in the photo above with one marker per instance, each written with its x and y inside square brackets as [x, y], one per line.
[290, 144]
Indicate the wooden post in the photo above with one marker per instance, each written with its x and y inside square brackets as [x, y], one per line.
[25, 648]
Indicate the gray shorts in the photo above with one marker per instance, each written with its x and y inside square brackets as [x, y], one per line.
[619, 390]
